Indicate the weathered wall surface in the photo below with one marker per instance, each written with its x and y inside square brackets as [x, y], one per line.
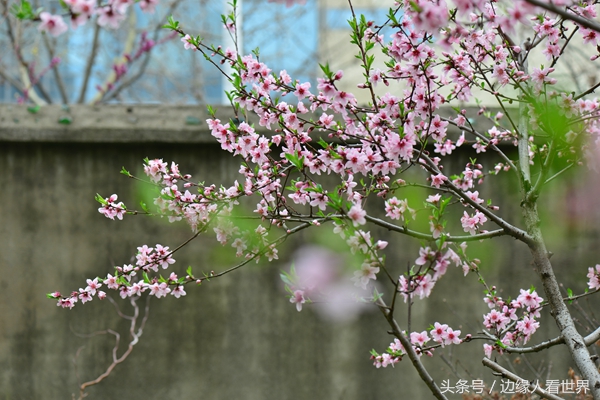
[236, 337]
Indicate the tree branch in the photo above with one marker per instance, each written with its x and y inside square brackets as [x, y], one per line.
[424, 236]
[414, 358]
[89, 64]
[586, 23]
[56, 72]
[134, 331]
[515, 378]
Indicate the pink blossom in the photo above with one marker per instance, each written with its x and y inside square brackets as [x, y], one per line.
[111, 282]
[148, 5]
[438, 180]
[357, 215]
[381, 244]
[395, 208]
[178, 291]
[425, 255]
[470, 223]
[92, 286]
[187, 43]
[495, 320]
[302, 90]
[298, 299]
[487, 350]
[419, 338]
[375, 77]
[159, 289]
[112, 209]
[594, 277]
[155, 169]
[434, 199]
[529, 298]
[52, 24]
[367, 273]
[82, 12]
[527, 326]
[288, 3]
[68, 302]
[84, 296]
[452, 336]
[109, 17]
[540, 77]
[439, 332]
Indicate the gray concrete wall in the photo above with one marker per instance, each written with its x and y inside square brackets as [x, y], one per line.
[237, 337]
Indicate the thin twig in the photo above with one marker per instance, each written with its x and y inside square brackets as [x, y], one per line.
[412, 355]
[116, 91]
[89, 64]
[586, 23]
[56, 72]
[419, 235]
[135, 334]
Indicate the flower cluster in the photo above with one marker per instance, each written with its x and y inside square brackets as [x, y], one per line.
[124, 280]
[431, 265]
[504, 323]
[594, 277]
[110, 15]
[441, 334]
[110, 208]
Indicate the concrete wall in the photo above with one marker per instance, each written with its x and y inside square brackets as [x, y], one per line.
[237, 337]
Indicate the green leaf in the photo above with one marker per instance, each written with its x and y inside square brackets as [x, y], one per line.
[125, 172]
[323, 143]
[171, 23]
[65, 120]
[100, 199]
[335, 200]
[34, 109]
[286, 278]
[296, 161]
[188, 271]
[392, 16]
[326, 70]
[211, 111]
[23, 11]
[377, 295]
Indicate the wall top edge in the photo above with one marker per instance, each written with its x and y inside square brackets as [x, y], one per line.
[118, 123]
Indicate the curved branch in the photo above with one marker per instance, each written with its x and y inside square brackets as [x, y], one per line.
[135, 335]
[507, 227]
[586, 23]
[266, 248]
[414, 358]
[419, 235]
[515, 378]
[588, 340]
